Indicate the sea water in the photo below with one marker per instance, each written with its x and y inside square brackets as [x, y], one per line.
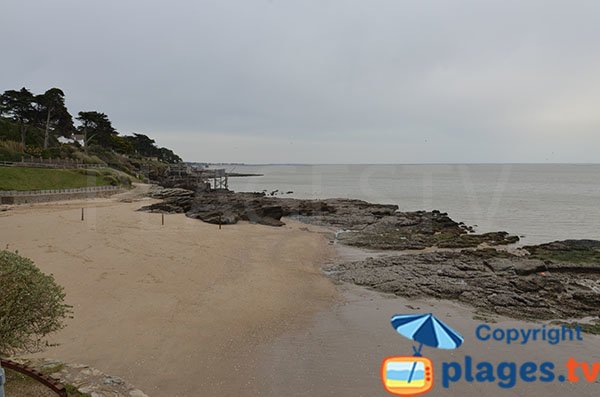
[540, 202]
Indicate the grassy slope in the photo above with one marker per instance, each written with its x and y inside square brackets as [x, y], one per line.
[19, 178]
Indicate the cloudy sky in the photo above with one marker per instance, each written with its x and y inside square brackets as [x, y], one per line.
[323, 81]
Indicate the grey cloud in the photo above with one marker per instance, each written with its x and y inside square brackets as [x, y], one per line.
[335, 81]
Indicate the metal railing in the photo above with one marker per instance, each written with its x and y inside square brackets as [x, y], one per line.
[89, 189]
[47, 381]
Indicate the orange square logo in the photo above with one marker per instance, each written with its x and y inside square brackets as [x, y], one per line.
[407, 375]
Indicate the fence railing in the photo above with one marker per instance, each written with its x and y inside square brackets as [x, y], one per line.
[49, 163]
[89, 189]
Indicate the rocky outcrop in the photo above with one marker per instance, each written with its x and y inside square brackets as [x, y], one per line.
[226, 207]
[585, 254]
[362, 224]
[419, 230]
[340, 213]
[496, 281]
[175, 200]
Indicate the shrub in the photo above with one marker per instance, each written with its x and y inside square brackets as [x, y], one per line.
[89, 172]
[7, 155]
[112, 180]
[87, 159]
[12, 146]
[34, 151]
[31, 305]
[124, 180]
[11, 151]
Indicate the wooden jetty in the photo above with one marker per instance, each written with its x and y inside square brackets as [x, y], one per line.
[194, 176]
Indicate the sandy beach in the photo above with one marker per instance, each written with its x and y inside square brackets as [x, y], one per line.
[186, 309]
[179, 309]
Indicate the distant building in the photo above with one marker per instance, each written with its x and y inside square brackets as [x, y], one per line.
[74, 138]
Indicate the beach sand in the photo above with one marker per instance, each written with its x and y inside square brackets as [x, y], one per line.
[186, 309]
[179, 309]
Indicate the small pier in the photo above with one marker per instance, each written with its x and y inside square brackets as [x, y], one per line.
[194, 176]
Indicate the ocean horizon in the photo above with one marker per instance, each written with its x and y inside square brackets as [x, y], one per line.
[538, 202]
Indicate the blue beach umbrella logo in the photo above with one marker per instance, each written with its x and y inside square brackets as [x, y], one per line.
[427, 330]
[412, 375]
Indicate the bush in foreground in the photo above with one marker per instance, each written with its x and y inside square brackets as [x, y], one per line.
[31, 305]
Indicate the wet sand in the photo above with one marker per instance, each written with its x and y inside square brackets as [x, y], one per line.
[341, 353]
[179, 309]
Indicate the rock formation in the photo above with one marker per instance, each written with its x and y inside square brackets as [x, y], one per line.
[496, 281]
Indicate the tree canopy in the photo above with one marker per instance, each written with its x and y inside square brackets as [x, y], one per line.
[145, 146]
[19, 106]
[55, 117]
[48, 113]
[96, 127]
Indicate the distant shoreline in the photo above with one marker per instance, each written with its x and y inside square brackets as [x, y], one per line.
[241, 174]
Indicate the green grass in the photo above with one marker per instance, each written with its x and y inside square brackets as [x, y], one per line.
[21, 178]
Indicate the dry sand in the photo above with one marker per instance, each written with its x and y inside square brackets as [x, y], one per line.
[179, 309]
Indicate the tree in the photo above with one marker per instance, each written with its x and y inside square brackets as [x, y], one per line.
[168, 156]
[55, 116]
[31, 305]
[121, 144]
[97, 126]
[19, 105]
[143, 145]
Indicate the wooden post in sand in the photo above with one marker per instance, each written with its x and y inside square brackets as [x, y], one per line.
[163, 218]
[82, 214]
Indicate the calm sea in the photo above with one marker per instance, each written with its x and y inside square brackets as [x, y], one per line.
[539, 202]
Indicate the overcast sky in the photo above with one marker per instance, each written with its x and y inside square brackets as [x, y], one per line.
[323, 81]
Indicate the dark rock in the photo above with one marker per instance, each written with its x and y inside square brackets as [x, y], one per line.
[419, 230]
[216, 217]
[172, 192]
[227, 207]
[368, 225]
[525, 267]
[567, 250]
[493, 280]
[175, 200]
